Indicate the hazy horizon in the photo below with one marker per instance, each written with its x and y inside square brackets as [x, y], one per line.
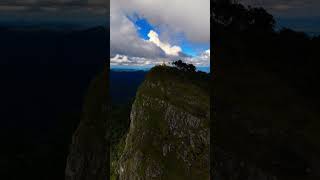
[147, 68]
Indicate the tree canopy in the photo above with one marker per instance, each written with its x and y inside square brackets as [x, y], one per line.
[184, 66]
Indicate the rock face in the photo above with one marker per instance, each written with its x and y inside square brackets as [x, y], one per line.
[88, 158]
[169, 131]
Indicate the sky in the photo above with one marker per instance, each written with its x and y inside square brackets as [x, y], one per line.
[145, 33]
[300, 15]
[40, 12]
[148, 32]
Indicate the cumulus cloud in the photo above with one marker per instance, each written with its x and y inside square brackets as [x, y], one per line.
[128, 48]
[124, 38]
[202, 60]
[189, 17]
[166, 47]
[120, 59]
[136, 61]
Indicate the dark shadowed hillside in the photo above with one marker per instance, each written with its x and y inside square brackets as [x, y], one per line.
[44, 76]
[266, 89]
[89, 150]
[45, 46]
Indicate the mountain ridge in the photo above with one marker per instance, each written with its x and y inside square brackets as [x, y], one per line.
[169, 129]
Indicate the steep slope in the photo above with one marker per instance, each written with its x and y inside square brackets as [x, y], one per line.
[88, 158]
[169, 130]
[265, 129]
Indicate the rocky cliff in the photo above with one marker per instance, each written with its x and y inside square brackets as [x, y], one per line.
[169, 130]
[88, 157]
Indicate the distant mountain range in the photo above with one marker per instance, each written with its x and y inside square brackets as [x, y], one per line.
[124, 84]
[147, 68]
[48, 46]
[52, 24]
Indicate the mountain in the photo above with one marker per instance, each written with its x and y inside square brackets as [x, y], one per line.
[88, 157]
[38, 46]
[168, 135]
[169, 131]
[44, 75]
[266, 98]
[265, 128]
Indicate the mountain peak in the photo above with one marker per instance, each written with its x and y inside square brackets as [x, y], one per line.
[169, 129]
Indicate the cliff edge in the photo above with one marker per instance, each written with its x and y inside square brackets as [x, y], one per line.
[169, 130]
[88, 157]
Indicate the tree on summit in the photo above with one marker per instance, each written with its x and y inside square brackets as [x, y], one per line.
[184, 66]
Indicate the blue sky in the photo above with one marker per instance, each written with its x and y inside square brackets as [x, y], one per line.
[301, 15]
[189, 48]
[144, 34]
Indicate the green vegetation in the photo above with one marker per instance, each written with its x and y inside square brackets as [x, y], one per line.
[169, 130]
[119, 123]
[184, 66]
[179, 87]
[267, 94]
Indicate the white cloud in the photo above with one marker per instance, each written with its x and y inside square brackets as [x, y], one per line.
[203, 59]
[135, 61]
[166, 47]
[118, 59]
[171, 18]
[205, 54]
[124, 38]
[190, 17]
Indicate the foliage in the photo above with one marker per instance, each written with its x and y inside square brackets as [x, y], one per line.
[167, 88]
[237, 17]
[119, 123]
[267, 91]
[184, 66]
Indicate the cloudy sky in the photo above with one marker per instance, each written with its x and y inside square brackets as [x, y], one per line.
[145, 33]
[301, 15]
[77, 12]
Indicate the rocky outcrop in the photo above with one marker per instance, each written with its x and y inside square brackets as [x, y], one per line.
[169, 131]
[88, 158]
